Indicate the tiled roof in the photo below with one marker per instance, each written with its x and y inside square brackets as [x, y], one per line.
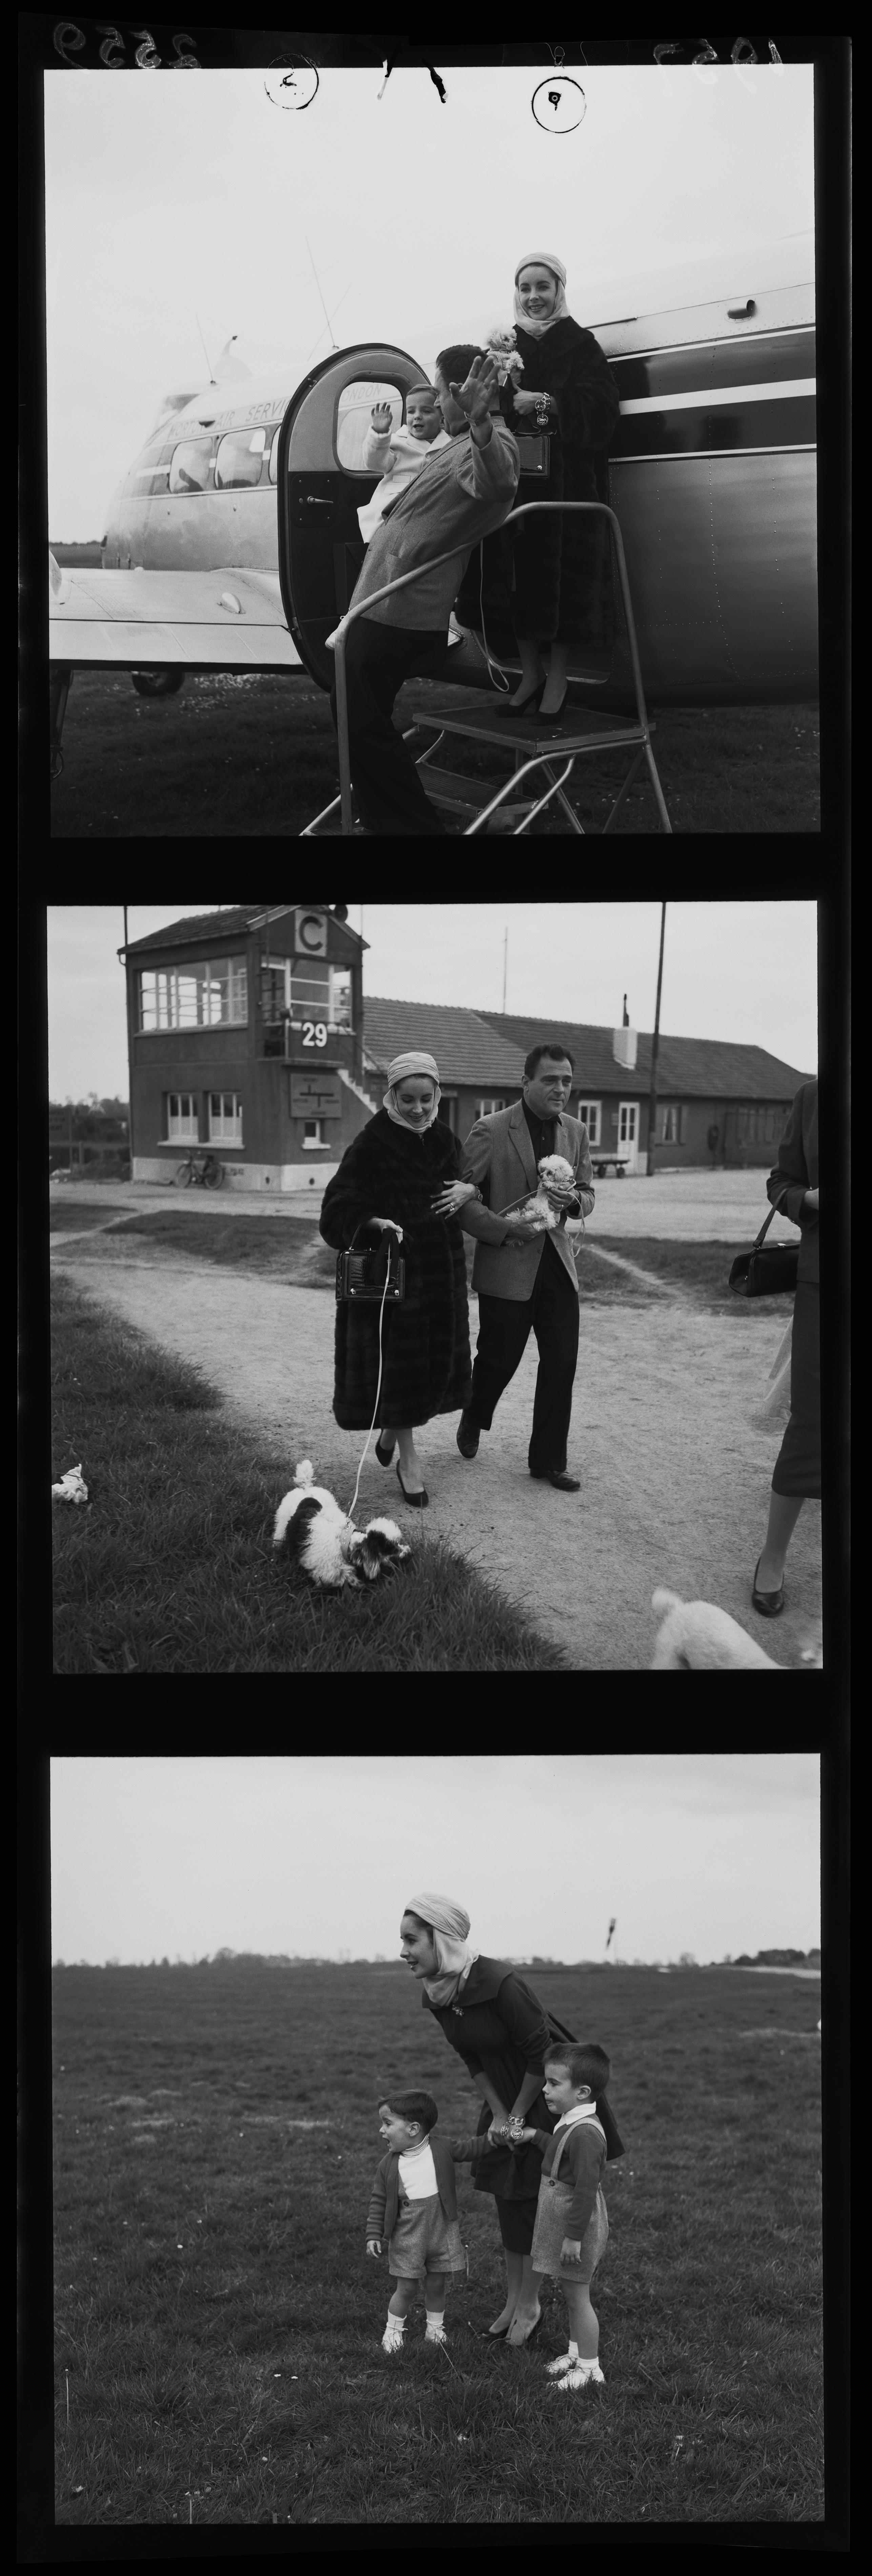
[233, 923]
[690, 1068]
[200, 925]
[466, 1048]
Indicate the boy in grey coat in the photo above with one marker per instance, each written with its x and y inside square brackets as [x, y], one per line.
[413, 2208]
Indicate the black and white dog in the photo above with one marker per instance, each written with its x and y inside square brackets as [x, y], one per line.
[310, 1528]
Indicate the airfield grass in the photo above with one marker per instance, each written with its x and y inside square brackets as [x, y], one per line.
[294, 1251]
[218, 2323]
[169, 1567]
[236, 753]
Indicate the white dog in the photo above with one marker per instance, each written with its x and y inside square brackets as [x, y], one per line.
[72, 1487]
[310, 1527]
[696, 1637]
[555, 1170]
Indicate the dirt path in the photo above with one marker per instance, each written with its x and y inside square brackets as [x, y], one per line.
[675, 1467]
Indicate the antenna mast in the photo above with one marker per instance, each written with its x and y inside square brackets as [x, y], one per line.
[208, 359]
[333, 343]
[505, 967]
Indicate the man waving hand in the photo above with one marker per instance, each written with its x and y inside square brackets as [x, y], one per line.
[462, 494]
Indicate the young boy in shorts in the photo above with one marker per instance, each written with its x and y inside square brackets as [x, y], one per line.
[414, 2207]
[571, 2228]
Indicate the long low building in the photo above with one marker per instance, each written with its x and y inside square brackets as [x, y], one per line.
[249, 1035]
[716, 1102]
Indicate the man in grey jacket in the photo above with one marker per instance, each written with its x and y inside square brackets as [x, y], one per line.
[463, 493]
[526, 1280]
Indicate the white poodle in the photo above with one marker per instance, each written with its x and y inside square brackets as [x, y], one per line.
[555, 1170]
[696, 1637]
[310, 1527]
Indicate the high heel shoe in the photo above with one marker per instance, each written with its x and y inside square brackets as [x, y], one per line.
[506, 708]
[384, 1456]
[555, 719]
[527, 2338]
[417, 1501]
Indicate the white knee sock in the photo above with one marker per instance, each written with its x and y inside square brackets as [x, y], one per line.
[396, 2324]
[435, 2317]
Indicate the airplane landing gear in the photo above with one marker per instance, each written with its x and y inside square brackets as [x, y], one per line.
[157, 684]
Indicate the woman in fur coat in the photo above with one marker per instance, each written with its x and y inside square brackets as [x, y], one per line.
[548, 580]
[404, 1170]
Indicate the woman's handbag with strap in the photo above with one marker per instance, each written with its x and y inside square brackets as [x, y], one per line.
[535, 455]
[760, 1273]
[360, 1274]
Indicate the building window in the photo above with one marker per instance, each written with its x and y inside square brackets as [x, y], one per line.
[182, 1120]
[673, 1123]
[194, 997]
[590, 1114]
[225, 1118]
[488, 1108]
[313, 1134]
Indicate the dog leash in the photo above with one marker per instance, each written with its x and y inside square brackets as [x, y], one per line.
[398, 1231]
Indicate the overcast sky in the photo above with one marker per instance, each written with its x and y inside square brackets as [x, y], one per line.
[731, 970]
[167, 198]
[711, 1853]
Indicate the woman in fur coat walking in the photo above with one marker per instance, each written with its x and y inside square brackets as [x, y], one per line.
[404, 1170]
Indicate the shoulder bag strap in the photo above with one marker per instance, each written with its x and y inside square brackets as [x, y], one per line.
[776, 1203]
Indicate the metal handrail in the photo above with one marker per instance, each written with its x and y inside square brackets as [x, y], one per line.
[402, 582]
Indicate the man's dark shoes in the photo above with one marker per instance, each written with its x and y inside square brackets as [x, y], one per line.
[768, 1603]
[554, 1476]
[468, 1436]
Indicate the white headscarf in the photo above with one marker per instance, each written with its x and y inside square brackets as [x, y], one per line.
[449, 1925]
[534, 323]
[397, 1072]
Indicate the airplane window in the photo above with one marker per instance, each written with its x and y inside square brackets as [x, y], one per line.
[239, 459]
[274, 455]
[353, 420]
[191, 468]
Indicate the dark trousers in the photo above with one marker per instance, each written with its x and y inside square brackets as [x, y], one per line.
[504, 1330]
[389, 794]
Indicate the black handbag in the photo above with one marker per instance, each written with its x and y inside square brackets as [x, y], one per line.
[361, 1275]
[535, 455]
[760, 1273]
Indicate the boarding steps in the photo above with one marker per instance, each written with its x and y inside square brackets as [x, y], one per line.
[536, 747]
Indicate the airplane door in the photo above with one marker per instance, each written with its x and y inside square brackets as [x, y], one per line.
[322, 484]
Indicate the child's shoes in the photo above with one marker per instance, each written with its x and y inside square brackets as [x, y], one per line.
[566, 2361]
[393, 2337]
[435, 2334]
[581, 2374]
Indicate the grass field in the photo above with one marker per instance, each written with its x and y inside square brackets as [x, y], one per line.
[239, 752]
[218, 2350]
[169, 1568]
[296, 1253]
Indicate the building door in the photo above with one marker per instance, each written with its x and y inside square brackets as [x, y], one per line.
[322, 484]
[628, 1133]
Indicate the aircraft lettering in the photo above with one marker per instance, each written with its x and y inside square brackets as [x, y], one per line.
[69, 39]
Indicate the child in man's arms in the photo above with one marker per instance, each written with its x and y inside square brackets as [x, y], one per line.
[398, 455]
[413, 2207]
[571, 2226]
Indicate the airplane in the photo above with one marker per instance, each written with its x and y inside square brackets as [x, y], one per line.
[233, 541]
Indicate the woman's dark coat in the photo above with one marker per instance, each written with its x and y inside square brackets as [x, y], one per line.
[500, 2031]
[550, 577]
[389, 1171]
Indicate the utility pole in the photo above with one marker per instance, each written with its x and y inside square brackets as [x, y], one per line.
[505, 967]
[652, 1095]
[129, 1055]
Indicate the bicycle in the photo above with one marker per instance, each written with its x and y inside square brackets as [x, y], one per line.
[206, 1168]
